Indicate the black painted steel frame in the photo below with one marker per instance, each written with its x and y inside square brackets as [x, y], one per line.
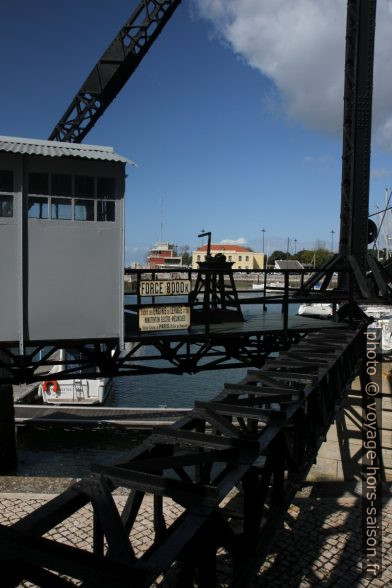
[357, 124]
[189, 355]
[113, 69]
[261, 435]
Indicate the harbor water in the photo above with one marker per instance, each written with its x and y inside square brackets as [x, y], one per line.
[180, 391]
[56, 452]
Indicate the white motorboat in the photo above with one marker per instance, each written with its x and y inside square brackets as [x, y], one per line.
[271, 287]
[315, 310]
[76, 390]
[382, 324]
[382, 316]
[386, 336]
[324, 309]
[377, 312]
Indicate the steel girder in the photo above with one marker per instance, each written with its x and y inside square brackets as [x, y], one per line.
[261, 435]
[114, 68]
[157, 355]
[357, 122]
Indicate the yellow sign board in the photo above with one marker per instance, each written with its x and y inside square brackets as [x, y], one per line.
[164, 287]
[163, 318]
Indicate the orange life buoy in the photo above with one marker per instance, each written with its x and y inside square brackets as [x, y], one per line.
[46, 386]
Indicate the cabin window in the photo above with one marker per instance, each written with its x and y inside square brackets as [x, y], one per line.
[106, 188]
[39, 183]
[105, 210]
[6, 206]
[84, 210]
[61, 185]
[6, 200]
[6, 181]
[61, 208]
[38, 207]
[61, 196]
[84, 186]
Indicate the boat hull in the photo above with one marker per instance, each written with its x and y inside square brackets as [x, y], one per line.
[81, 392]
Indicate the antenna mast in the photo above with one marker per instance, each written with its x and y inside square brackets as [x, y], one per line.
[161, 219]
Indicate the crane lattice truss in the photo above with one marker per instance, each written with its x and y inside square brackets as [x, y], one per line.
[251, 446]
[114, 68]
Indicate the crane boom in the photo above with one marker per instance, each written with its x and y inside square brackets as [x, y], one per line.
[113, 69]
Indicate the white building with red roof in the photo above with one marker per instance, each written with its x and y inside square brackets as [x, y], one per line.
[242, 258]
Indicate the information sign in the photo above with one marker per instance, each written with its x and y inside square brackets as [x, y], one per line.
[164, 287]
[163, 318]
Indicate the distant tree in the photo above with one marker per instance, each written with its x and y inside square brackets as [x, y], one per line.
[277, 255]
[305, 256]
[314, 257]
[186, 255]
[308, 257]
[321, 256]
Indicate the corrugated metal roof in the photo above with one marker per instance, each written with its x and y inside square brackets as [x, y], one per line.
[288, 264]
[59, 149]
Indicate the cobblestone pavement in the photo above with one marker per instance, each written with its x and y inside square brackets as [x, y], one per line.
[319, 544]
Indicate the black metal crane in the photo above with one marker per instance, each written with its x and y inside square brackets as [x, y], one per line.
[357, 125]
[113, 69]
[356, 230]
[237, 437]
[370, 278]
[135, 38]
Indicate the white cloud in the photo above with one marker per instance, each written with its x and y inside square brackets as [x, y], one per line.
[300, 45]
[318, 160]
[239, 241]
[381, 172]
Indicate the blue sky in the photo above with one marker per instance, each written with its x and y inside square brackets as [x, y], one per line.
[215, 136]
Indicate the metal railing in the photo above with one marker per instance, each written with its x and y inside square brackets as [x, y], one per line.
[202, 346]
[278, 287]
